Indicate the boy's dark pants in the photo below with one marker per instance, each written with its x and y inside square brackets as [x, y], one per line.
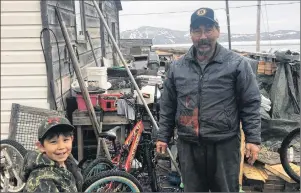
[213, 167]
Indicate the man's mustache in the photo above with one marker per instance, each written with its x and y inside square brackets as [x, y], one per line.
[204, 42]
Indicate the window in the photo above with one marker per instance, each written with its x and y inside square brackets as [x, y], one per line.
[80, 21]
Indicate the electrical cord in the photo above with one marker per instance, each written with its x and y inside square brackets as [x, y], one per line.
[60, 67]
[171, 12]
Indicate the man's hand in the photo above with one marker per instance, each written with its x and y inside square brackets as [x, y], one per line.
[161, 147]
[252, 152]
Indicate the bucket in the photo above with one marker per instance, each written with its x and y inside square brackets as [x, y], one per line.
[98, 74]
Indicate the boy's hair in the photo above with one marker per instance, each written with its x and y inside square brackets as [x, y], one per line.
[56, 131]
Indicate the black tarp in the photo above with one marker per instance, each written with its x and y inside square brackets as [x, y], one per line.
[283, 91]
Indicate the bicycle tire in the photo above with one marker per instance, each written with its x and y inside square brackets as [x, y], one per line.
[114, 175]
[283, 155]
[94, 163]
[22, 151]
[20, 148]
[84, 160]
[151, 169]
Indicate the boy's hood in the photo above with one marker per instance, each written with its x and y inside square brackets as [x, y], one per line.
[34, 160]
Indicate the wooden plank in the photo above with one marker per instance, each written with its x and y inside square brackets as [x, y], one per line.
[90, 10]
[22, 56]
[110, 118]
[92, 22]
[23, 81]
[253, 173]
[20, 44]
[21, 18]
[23, 31]
[24, 93]
[68, 17]
[20, 6]
[66, 4]
[59, 35]
[39, 103]
[279, 171]
[82, 49]
[66, 80]
[94, 33]
[59, 101]
[84, 59]
[20, 69]
[66, 86]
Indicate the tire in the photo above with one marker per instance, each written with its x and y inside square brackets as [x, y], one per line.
[283, 154]
[19, 149]
[85, 162]
[119, 176]
[99, 161]
[151, 169]
[15, 145]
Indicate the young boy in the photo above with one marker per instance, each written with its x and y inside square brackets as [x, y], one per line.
[53, 168]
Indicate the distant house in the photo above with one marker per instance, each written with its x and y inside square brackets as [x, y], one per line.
[24, 78]
[135, 46]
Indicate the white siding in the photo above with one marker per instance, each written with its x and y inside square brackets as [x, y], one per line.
[23, 70]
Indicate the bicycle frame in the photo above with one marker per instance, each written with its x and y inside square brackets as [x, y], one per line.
[132, 140]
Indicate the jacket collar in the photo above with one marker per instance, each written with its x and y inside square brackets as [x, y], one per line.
[218, 56]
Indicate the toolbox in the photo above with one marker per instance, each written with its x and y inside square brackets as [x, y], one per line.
[108, 102]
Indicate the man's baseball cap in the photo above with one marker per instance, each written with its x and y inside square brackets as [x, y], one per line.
[52, 122]
[203, 16]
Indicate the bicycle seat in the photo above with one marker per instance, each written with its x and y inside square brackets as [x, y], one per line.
[111, 134]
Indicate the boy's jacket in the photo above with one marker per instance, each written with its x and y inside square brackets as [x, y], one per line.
[42, 174]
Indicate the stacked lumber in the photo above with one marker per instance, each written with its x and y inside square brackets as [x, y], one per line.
[268, 178]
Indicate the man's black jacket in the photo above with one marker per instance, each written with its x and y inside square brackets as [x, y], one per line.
[209, 105]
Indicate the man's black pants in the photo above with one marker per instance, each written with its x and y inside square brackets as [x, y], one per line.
[213, 167]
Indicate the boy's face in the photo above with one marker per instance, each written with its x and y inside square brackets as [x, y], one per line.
[57, 148]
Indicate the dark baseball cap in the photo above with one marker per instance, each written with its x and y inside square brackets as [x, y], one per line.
[203, 16]
[51, 122]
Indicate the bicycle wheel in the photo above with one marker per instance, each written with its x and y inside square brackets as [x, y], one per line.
[86, 161]
[98, 165]
[12, 158]
[112, 181]
[290, 152]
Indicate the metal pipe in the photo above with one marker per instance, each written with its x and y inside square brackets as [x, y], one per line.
[132, 79]
[83, 88]
[92, 49]
[228, 24]
[258, 26]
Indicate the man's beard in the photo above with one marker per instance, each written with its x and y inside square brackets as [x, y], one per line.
[204, 47]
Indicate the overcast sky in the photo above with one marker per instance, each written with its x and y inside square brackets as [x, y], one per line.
[242, 20]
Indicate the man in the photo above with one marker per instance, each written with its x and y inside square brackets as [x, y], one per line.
[207, 93]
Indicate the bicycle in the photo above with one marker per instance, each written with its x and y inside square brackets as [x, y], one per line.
[138, 144]
[12, 157]
[290, 153]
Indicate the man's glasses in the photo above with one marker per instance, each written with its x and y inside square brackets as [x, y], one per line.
[207, 31]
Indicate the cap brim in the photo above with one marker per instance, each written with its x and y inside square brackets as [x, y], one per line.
[65, 127]
[201, 21]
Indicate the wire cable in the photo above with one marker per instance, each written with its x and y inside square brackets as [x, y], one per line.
[60, 67]
[173, 12]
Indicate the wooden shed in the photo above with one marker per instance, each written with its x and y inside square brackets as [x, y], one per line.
[29, 78]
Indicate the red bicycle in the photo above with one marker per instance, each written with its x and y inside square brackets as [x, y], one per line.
[138, 145]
